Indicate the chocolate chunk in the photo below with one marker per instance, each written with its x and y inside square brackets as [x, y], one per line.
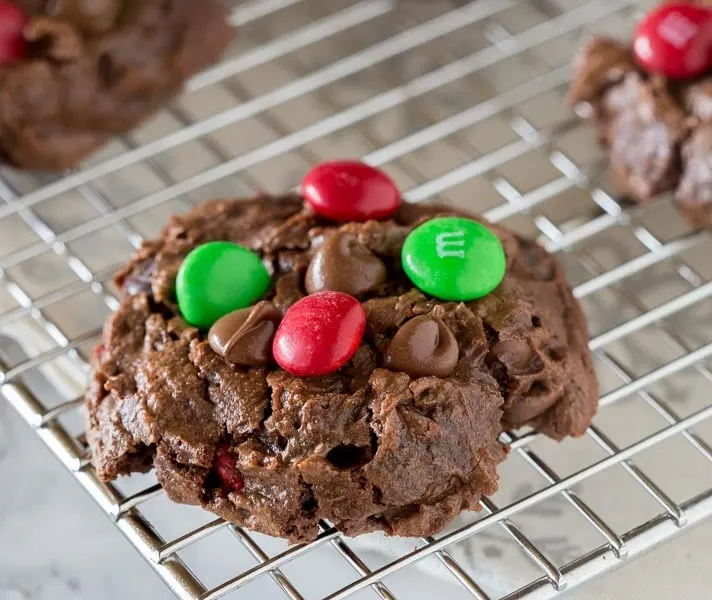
[245, 336]
[343, 264]
[423, 346]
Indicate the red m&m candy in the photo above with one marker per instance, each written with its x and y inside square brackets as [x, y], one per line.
[13, 45]
[226, 467]
[319, 334]
[674, 40]
[349, 190]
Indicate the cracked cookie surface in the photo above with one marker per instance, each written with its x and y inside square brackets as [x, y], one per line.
[365, 448]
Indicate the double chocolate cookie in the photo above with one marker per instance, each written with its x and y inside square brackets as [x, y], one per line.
[376, 406]
[74, 73]
[651, 101]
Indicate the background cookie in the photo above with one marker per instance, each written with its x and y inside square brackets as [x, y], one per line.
[77, 72]
[650, 101]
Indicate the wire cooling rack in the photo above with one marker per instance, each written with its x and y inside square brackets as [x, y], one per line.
[463, 102]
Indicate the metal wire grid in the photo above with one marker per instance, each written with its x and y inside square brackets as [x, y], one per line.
[456, 100]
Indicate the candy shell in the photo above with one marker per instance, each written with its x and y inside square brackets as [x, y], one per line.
[349, 190]
[319, 334]
[454, 258]
[218, 278]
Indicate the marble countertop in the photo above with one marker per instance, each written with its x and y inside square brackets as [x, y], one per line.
[55, 543]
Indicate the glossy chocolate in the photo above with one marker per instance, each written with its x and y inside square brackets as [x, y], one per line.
[343, 264]
[245, 336]
[423, 346]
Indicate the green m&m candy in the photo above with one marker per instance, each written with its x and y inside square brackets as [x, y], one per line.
[216, 279]
[454, 259]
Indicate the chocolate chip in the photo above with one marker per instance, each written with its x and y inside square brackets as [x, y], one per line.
[423, 346]
[245, 336]
[343, 264]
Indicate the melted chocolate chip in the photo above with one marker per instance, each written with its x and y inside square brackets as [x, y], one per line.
[245, 336]
[343, 264]
[423, 346]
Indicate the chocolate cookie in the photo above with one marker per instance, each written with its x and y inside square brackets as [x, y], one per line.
[92, 69]
[655, 119]
[401, 438]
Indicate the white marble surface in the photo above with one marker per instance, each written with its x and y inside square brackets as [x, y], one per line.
[678, 570]
[55, 543]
